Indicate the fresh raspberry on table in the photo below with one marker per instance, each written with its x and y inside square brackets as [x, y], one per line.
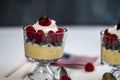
[89, 67]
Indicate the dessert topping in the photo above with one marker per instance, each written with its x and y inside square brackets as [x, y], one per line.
[51, 36]
[39, 37]
[45, 21]
[30, 32]
[110, 38]
[59, 34]
[106, 32]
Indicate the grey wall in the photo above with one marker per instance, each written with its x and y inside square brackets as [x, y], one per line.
[65, 12]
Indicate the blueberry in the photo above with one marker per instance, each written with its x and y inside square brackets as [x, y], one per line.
[103, 44]
[116, 48]
[55, 44]
[42, 43]
[107, 46]
[66, 55]
[58, 44]
[101, 63]
[49, 45]
[27, 40]
[33, 41]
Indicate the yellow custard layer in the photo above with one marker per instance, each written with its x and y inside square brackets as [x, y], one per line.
[110, 56]
[43, 52]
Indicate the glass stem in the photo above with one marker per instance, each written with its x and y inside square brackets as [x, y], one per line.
[42, 67]
[116, 73]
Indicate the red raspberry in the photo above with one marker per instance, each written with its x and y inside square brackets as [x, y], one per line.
[60, 29]
[51, 37]
[65, 77]
[44, 21]
[114, 40]
[59, 34]
[89, 67]
[39, 37]
[114, 36]
[106, 32]
[106, 37]
[110, 39]
[30, 32]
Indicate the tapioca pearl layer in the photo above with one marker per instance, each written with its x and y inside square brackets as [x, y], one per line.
[43, 52]
[110, 56]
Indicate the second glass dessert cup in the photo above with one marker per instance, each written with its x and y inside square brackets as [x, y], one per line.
[110, 52]
[43, 49]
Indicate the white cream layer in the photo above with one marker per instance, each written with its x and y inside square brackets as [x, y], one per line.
[46, 29]
[114, 30]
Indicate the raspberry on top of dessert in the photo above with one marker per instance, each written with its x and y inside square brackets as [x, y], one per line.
[112, 35]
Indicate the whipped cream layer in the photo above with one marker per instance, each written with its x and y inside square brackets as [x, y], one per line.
[114, 30]
[46, 29]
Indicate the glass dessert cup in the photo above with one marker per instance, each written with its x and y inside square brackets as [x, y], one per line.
[110, 53]
[44, 50]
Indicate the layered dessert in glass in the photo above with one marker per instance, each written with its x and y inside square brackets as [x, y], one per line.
[110, 49]
[44, 42]
[110, 45]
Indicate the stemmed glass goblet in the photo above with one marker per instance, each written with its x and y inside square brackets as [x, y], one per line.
[43, 50]
[110, 53]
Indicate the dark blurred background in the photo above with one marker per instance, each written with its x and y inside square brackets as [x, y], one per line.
[65, 12]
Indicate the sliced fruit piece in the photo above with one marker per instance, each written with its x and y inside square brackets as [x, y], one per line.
[30, 32]
[39, 37]
[50, 37]
[44, 21]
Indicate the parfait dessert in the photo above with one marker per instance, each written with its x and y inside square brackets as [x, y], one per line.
[110, 45]
[44, 42]
[110, 49]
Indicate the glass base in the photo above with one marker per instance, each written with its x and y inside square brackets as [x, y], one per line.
[115, 69]
[42, 71]
[116, 73]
